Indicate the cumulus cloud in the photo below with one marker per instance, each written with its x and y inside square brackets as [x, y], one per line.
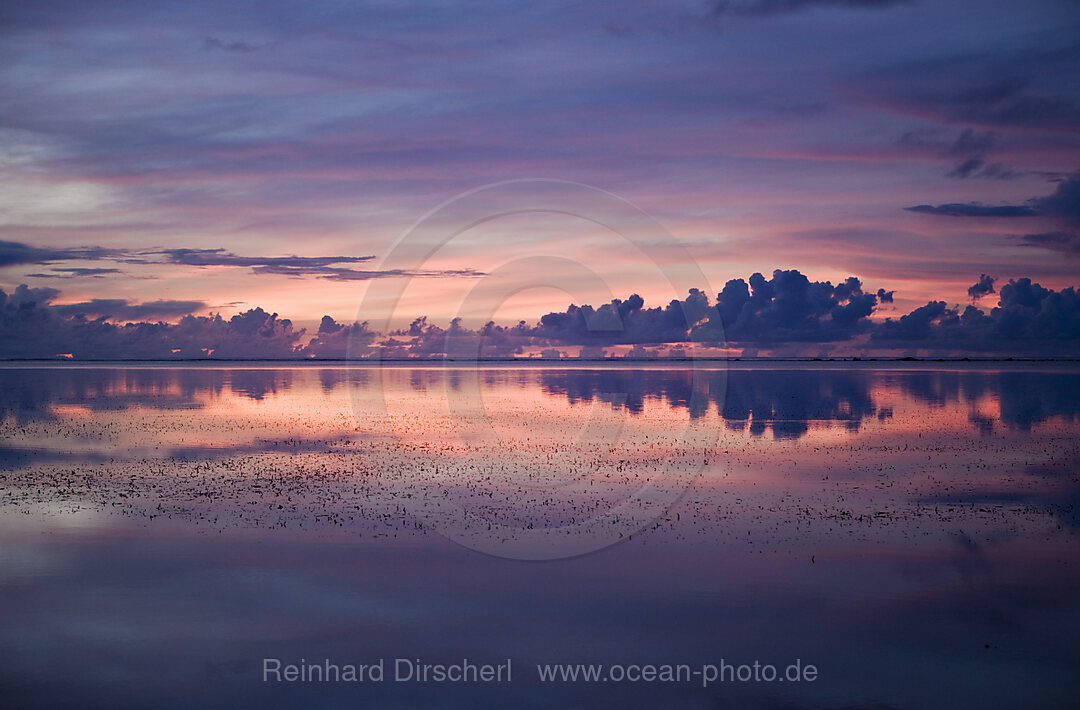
[787, 311]
[26, 297]
[983, 287]
[252, 334]
[625, 322]
[337, 341]
[31, 327]
[424, 340]
[785, 308]
[789, 308]
[1029, 318]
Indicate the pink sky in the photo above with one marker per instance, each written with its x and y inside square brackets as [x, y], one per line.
[760, 139]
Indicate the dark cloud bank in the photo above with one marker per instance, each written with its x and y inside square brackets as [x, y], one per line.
[785, 314]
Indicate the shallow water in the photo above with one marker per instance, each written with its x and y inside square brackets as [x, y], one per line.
[908, 529]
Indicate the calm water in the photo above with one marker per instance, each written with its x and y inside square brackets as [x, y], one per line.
[909, 531]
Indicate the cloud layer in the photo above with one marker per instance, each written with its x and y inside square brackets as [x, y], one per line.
[758, 315]
[17, 253]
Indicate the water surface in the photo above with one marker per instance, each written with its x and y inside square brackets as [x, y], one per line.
[908, 529]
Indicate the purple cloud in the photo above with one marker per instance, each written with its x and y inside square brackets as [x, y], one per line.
[975, 210]
[983, 287]
[766, 8]
[16, 253]
[118, 309]
[787, 309]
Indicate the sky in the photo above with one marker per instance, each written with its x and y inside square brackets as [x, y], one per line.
[218, 157]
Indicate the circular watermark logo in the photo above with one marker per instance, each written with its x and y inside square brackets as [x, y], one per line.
[500, 468]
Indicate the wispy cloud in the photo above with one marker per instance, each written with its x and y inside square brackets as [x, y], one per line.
[16, 253]
[1060, 208]
[73, 272]
[221, 257]
[766, 8]
[343, 274]
[229, 46]
[1068, 242]
[120, 310]
[972, 209]
[324, 267]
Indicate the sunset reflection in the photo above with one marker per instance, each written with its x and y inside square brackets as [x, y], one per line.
[793, 510]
